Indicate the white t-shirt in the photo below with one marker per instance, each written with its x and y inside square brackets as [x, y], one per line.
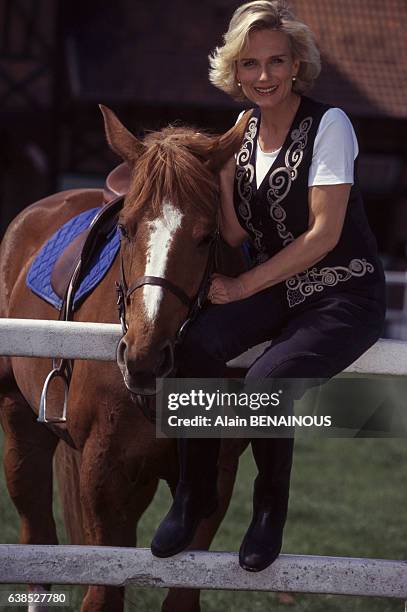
[335, 150]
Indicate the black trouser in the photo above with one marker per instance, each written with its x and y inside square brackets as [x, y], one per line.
[316, 339]
[311, 341]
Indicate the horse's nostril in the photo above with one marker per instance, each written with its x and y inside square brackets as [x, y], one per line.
[158, 363]
[121, 352]
[166, 363]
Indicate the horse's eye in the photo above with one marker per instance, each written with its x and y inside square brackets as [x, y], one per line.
[123, 231]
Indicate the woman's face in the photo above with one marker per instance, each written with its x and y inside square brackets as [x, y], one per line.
[266, 67]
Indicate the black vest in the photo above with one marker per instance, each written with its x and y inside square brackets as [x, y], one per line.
[277, 213]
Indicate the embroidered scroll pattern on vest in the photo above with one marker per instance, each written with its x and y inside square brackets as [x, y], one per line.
[306, 283]
[281, 179]
[244, 178]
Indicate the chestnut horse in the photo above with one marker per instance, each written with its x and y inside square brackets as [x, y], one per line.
[168, 218]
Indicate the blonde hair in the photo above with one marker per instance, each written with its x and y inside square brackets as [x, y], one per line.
[263, 15]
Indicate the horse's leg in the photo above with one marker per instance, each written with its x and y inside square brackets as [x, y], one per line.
[112, 503]
[28, 451]
[67, 467]
[187, 600]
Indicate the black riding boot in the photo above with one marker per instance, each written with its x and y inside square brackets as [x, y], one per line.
[195, 497]
[263, 540]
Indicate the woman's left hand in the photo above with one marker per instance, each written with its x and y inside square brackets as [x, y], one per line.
[225, 289]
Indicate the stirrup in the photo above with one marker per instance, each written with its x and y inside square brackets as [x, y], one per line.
[42, 415]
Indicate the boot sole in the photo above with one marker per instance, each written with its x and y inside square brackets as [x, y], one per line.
[250, 568]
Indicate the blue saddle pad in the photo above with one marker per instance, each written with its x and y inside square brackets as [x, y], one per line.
[39, 274]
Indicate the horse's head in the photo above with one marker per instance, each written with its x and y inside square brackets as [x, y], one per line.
[168, 225]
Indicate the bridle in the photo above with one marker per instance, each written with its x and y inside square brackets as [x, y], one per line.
[194, 304]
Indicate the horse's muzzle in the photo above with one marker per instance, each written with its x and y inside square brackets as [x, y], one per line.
[140, 370]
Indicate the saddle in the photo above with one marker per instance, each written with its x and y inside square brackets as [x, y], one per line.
[80, 251]
[117, 183]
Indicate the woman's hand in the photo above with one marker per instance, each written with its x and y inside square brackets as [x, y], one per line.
[225, 289]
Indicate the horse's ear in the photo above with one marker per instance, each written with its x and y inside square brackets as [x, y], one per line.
[120, 140]
[228, 144]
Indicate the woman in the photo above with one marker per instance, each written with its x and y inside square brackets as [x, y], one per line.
[317, 287]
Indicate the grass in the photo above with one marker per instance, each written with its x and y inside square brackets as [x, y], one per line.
[347, 499]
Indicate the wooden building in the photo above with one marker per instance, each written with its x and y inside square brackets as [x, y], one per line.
[148, 60]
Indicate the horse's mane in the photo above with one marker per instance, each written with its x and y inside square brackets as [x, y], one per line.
[172, 168]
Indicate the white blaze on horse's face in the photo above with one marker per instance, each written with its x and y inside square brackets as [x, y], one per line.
[162, 234]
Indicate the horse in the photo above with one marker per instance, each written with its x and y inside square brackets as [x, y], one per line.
[111, 467]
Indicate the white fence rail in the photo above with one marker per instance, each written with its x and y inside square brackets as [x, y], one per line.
[207, 570]
[74, 340]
